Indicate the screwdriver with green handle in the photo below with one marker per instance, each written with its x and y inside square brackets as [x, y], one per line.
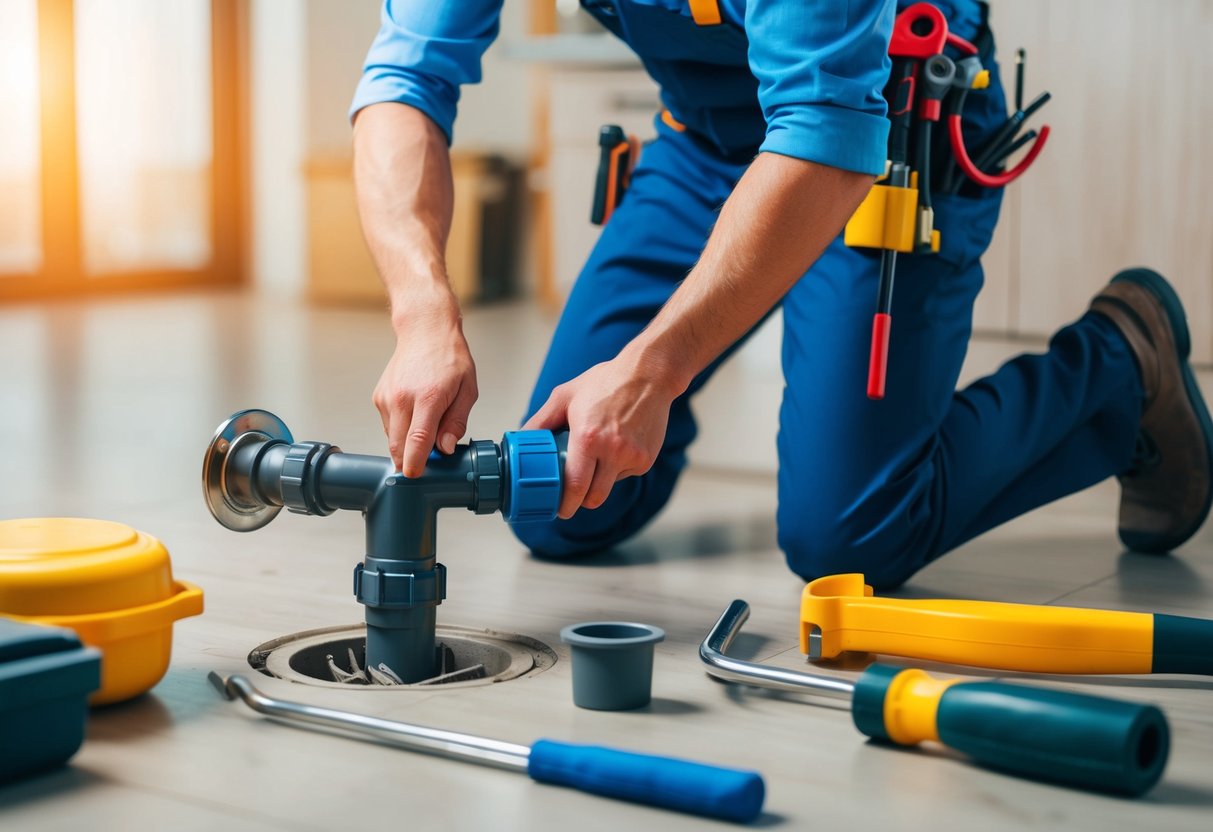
[1073, 739]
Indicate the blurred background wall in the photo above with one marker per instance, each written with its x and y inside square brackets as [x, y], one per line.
[164, 145]
[306, 58]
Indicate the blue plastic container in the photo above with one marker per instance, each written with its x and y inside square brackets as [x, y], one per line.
[46, 677]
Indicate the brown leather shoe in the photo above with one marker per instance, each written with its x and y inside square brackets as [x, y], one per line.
[1167, 494]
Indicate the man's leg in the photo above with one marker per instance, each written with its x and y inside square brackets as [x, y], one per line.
[651, 242]
[885, 487]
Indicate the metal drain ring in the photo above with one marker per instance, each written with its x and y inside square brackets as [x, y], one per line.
[241, 429]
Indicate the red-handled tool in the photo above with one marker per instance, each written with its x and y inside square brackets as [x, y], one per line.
[878, 361]
[919, 32]
[1000, 145]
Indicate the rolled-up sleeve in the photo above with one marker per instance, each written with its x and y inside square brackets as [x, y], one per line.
[424, 52]
[821, 67]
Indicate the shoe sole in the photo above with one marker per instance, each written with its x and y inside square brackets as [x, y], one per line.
[1158, 286]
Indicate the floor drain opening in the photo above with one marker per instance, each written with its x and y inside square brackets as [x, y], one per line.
[336, 657]
[356, 672]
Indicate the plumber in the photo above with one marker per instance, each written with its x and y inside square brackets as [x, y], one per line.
[773, 128]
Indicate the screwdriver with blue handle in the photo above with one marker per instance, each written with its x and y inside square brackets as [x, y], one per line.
[1068, 738]
[664, 782]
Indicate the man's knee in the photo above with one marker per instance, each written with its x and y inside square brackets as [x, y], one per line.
[544, 539]
[633, 503]
[816, 545]
[560, 539]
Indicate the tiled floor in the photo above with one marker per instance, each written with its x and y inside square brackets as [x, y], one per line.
[105, 408]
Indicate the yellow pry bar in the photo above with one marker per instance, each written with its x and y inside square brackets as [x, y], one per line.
[1021, 637]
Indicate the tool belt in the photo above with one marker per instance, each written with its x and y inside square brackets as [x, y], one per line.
[928, 88]
[933, 72]
[927, 91]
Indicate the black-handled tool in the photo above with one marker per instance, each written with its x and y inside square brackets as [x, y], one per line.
[617, 155]
[997, 144]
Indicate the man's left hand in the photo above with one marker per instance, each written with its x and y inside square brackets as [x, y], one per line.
[616, 413]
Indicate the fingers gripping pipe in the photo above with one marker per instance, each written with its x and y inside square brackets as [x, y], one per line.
[253, 468]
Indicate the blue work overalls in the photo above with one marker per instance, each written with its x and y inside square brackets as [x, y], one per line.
[878, 487]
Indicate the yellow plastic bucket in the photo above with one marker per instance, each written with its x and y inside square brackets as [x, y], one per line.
[112, 584]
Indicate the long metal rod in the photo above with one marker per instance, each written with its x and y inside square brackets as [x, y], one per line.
[450, 744]
[712, 652]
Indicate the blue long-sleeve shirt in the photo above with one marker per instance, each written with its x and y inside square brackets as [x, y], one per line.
[820, 64]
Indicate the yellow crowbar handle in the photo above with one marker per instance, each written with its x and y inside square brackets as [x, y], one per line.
[839, 614]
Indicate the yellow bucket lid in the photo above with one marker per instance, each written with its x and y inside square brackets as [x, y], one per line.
[71, 566]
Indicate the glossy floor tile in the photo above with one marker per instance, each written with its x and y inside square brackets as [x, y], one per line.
[106, 406]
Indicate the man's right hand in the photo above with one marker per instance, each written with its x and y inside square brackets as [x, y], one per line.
[402, 169]
[429, 385]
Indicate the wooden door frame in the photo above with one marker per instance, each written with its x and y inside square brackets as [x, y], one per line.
[62, 270]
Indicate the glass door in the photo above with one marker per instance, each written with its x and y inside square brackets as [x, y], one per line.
[119, 150]
[20, 148]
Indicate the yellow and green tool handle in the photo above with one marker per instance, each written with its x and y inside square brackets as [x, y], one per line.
[1070, 738]
[1076, 739]
[838, 614]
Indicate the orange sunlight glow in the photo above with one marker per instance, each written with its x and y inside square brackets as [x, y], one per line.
[20, 158]
[143, 135]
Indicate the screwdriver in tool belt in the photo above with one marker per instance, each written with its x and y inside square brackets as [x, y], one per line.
[1003, 153]
[901, 111]
[1006, 134]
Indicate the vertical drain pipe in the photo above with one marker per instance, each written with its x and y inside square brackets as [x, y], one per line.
[401, 582]
[253, 468]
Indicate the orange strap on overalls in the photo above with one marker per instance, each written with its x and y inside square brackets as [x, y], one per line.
[705, 12]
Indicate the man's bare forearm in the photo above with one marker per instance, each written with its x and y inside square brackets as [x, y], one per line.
[777, 222]
[402, 172]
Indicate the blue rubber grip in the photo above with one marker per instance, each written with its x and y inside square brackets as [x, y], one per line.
[1075, 739]
[725, 793]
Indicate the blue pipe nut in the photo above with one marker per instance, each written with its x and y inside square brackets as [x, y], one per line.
[532, 474]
